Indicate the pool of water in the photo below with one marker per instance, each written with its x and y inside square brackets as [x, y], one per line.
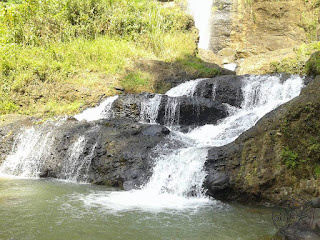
[46, 209]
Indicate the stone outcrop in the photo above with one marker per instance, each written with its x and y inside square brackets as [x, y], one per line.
[120, 151]
[183, 111]
[223, 89]
[254, 34]
[275, 159]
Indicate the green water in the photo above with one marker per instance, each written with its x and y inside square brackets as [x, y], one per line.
[44, 209]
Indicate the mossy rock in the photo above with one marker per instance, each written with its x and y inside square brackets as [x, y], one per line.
[313, 64]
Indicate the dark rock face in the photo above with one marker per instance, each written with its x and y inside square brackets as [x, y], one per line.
[253, 163]
[129, 105]
[125, 154]
[190, 111]
[184, 111]
[119, 151]
[223, 89]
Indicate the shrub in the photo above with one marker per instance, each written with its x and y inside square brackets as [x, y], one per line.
[290, 158]
[313, 64]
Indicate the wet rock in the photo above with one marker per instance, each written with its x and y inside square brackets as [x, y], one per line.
[299, 232]
[156, 130]
[183, 111]
[190, 111]
[108, 152]
[223, 89]
[253, 161]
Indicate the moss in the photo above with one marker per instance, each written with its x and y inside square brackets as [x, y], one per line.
[196, 66]
[317, 171]
[137, 82]
[290, 158]
[313, 64]
[297, 64]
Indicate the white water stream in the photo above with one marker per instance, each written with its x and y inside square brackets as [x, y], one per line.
[201, 10]
[100, 112]
[178, 172]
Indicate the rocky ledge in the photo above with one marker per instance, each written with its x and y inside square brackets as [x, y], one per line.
[275, 159]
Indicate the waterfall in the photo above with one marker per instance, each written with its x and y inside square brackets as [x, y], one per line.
[178, 171]
[149, 109]
[28, 152]
[33, 152]
[187, 88]
[262, 94]
[100, 112]
[201, 11]
[76, 166]
[172, 112]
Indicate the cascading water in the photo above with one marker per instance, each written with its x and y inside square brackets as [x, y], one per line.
[201, 11]
[150, 109]
[172, 110]
[187, 88]
[262, 94]
[100, 112]
[28, 152]
[76, 165]
[178, 172]
[34, 150]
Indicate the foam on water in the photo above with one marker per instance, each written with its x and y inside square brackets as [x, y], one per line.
[178, 174]
[187, 88]
[103, 111]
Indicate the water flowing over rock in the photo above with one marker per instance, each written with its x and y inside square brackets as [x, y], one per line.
[100, 112]
[201, 11]
[126, 151]
[253, 165]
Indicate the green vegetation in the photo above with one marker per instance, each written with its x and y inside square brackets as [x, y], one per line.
[59, 56]
[290, 158]
[313, 64]
[317, 171]
[300, 132]
[310, 19]
[137, 81]
[297, 64]
[197, 66]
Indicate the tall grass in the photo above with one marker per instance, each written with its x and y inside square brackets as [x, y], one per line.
[39, 23]
[55, 52]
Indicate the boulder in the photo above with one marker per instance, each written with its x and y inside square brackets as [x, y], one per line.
[254, 162]
[223, 89]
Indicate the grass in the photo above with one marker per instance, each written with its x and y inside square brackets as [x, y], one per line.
[197, 66]
[297, 64]
[58, 56]
[313, 64]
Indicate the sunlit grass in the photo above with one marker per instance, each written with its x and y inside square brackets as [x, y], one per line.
[58, 56]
